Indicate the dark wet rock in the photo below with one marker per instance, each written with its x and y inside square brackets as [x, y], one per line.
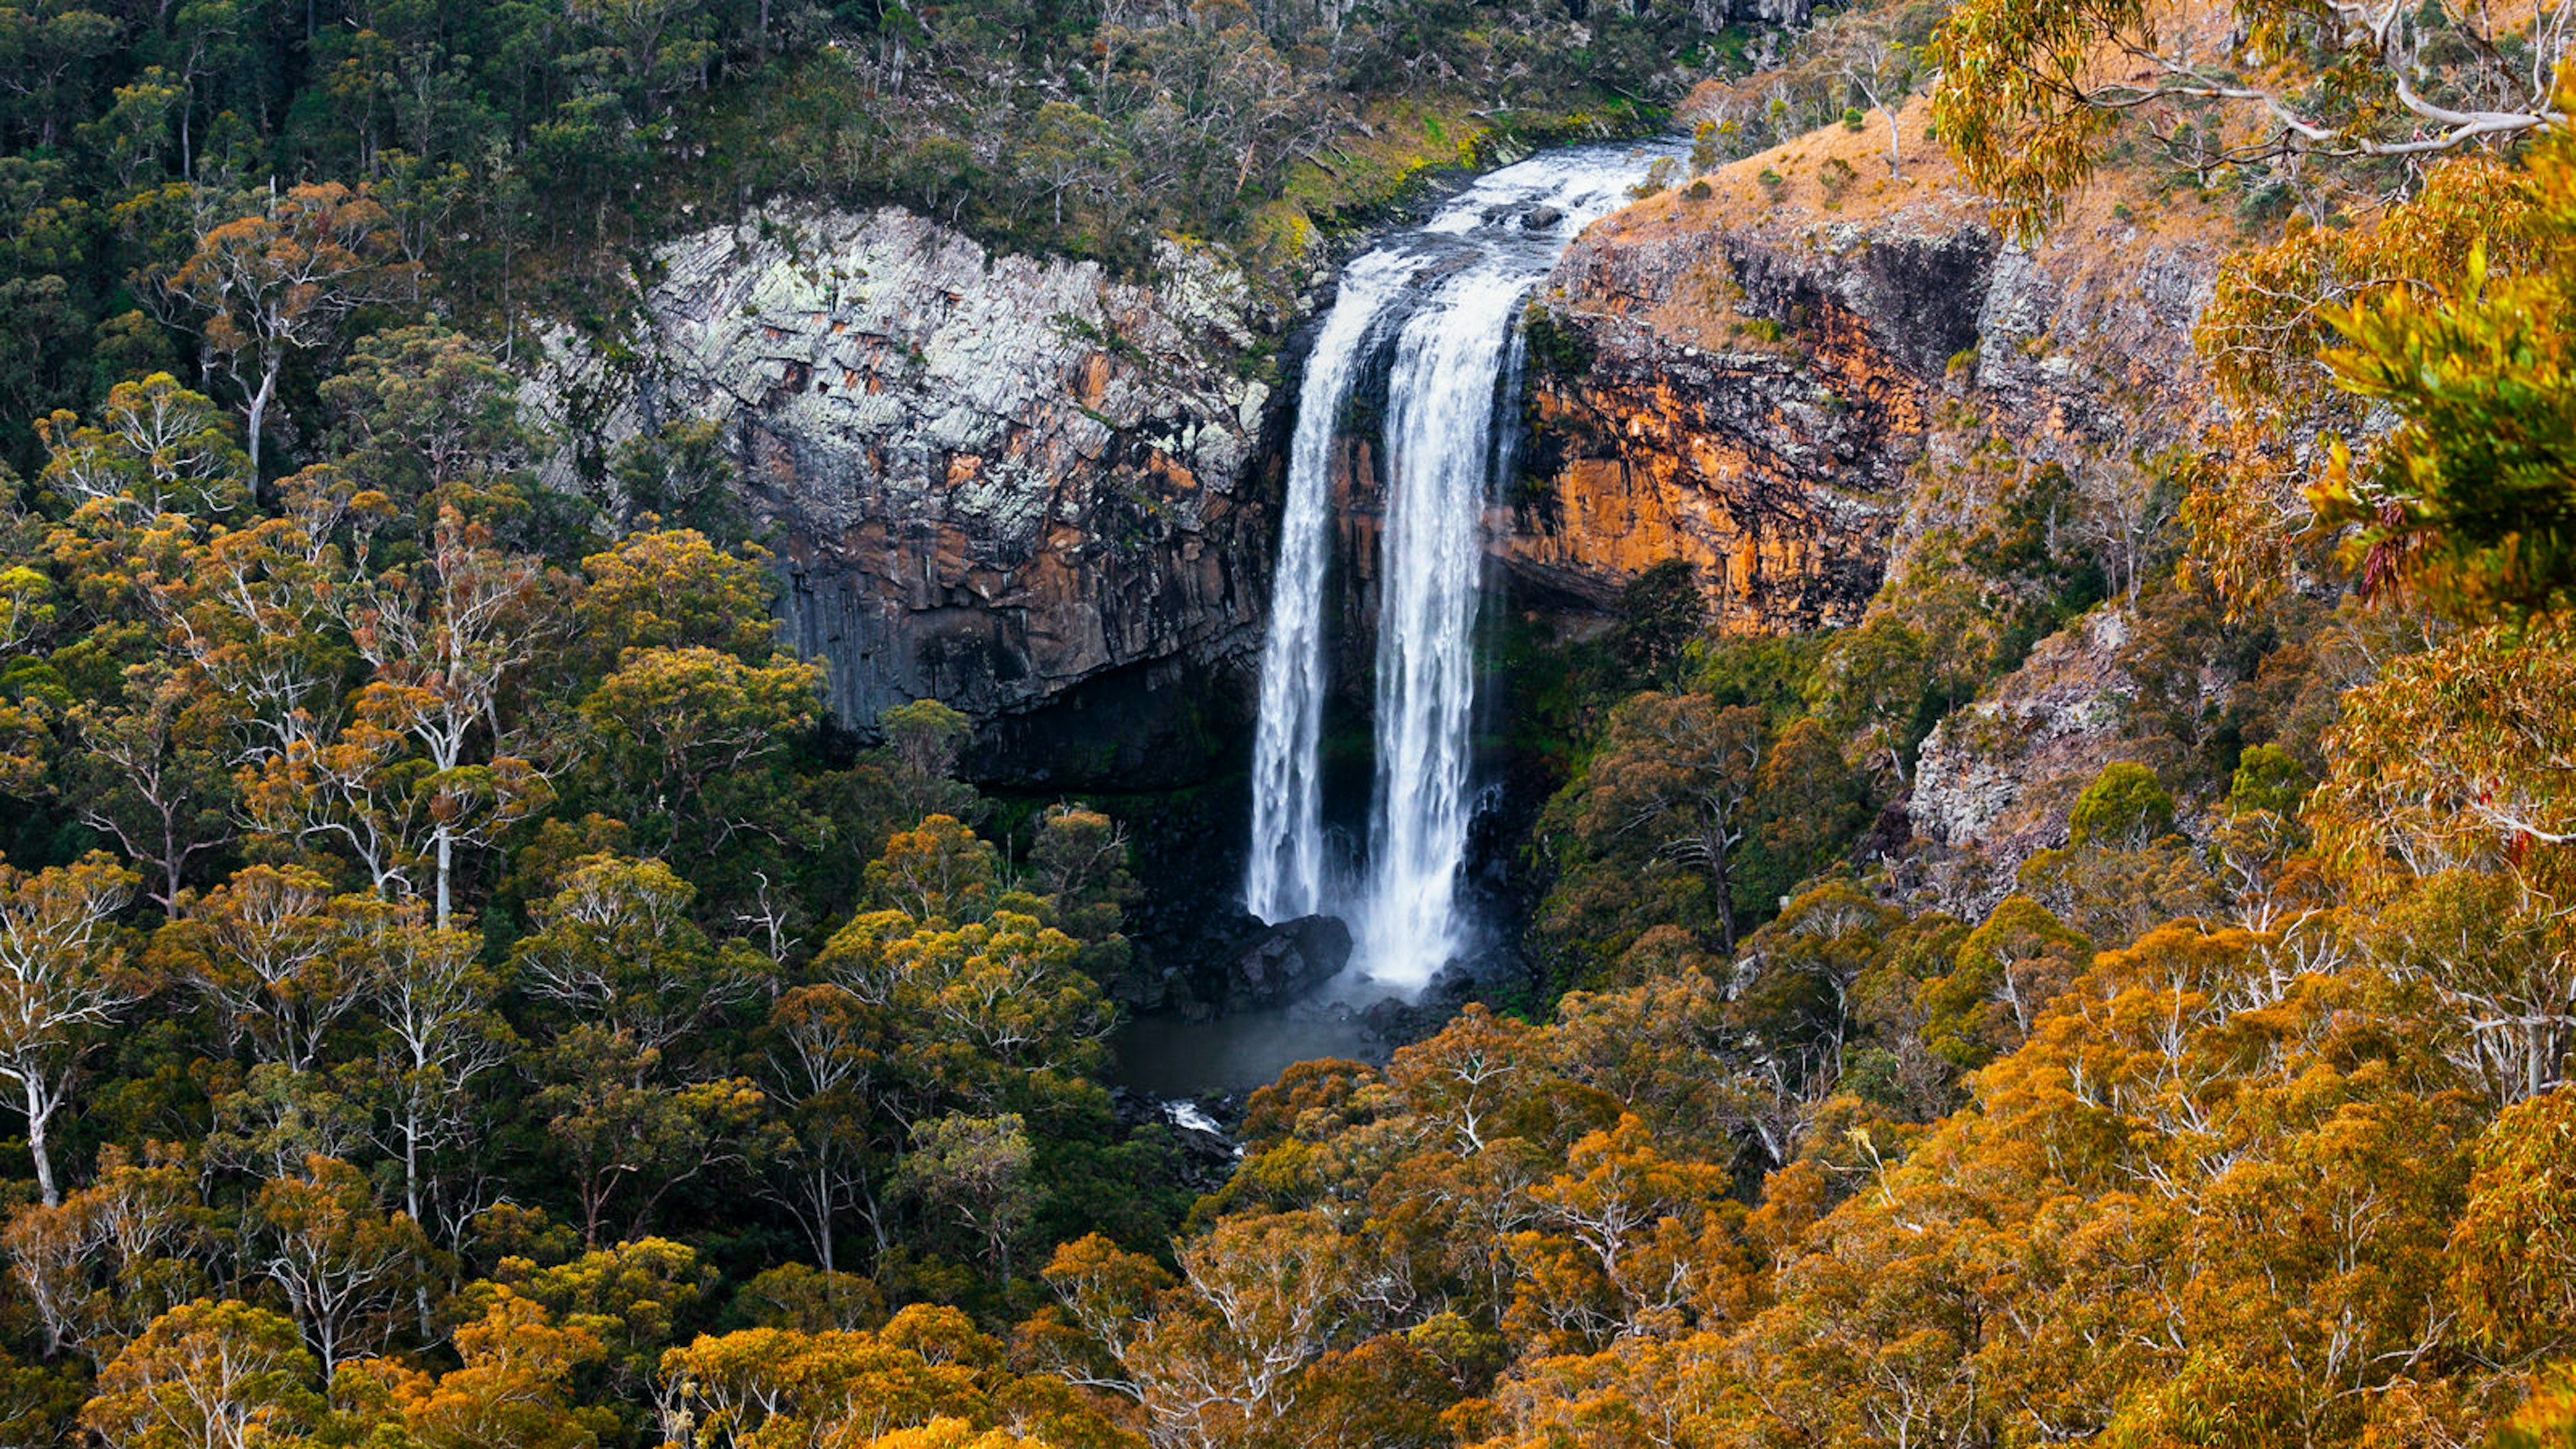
[1207, 1158]
[1201, 1129]
[1499, 974]
[1541, 218]
[1887, 836]
[1198, 961]
[1393, 1019]
[1280, 963]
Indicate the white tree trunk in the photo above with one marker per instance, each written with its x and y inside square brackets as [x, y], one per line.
[40, 1111]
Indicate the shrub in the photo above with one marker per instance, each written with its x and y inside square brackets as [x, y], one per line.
[1704, 155]
[2124, 808]
[1658, 177]
[2264, 201]
[2268, 777]
[1558, 349]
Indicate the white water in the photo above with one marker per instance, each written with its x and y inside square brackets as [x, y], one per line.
[1439, 441]
[1285, 877]
[1456, 285]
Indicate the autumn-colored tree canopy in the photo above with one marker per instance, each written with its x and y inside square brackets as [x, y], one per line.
[462, 986]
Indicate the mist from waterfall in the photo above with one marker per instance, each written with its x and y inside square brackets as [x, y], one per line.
[1446, 298]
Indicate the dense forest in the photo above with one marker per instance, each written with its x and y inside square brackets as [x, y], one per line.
[460, 987]
[495, 162]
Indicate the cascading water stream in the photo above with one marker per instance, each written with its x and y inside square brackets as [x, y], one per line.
[1445, 297]
[1285, 876]
[1439, 433]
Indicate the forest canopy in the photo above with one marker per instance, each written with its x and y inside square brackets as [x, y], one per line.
[459, 985]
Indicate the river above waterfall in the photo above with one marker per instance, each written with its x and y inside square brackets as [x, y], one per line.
[1440, 305]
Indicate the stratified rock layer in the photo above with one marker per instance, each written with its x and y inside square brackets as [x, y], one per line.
[1761, 377]
[1777, 469]
[1793, 372]
[999, 481]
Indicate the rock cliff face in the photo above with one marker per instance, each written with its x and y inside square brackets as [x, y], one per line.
[1004, 482]
[1775, 468]
[1796, 370]
[1762, 375]
[2001, 773]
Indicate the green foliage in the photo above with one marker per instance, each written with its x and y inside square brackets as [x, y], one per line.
[460, 992]
[470, 875]
[2515, 1249]
[1876, 683]
[511, 160]
[1769, 672]
[1562, 349]
[926, 735]
[2001, 980]
[2125, 807]
[682, 477]
[2268, 778]
[1807, 808]
[1705, 155]
[1658, 179]
[2470, 500]
[1660, 612]
[1695, 817]
[2115, 892]
[2030, 118]
[429, 419]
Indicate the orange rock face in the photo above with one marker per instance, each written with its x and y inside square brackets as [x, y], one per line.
[1770, 391]
[1671, 419]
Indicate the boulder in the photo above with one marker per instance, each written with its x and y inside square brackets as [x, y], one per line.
[1278, 964]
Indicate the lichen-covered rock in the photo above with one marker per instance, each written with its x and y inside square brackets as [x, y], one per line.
[2001, 773]
[993, 480]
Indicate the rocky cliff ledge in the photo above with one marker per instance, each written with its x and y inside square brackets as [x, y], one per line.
[1001, 481]
[2001, 773]
[1763, 372]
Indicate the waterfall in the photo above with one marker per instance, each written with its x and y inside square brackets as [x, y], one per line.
[1440, 406]
[1445, 297]
[1285, 877]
